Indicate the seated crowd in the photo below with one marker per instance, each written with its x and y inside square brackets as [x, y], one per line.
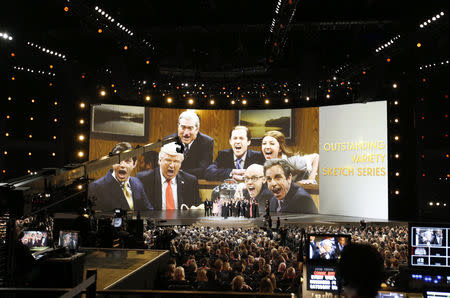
[204, 258]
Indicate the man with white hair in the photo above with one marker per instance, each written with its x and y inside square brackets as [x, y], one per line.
[198, 147]
[167, 187]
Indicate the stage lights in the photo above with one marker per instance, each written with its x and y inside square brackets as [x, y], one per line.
[169, 99]
[147, 98]
[433, 19]
[5, 36]
[46, 50]
[80, 154]
[432, 66]
[244, 102]
[102, 93]
[81, 121]
[27, 69]
[286, 100]
[266, 101]
[190, 101]
[394, 85]
[387, 44]
[82, 105]
[81, 138]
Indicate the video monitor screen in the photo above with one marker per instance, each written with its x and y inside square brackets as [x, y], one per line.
[35, 240]
[429, 246]
[325, 247]
[68, 239]
[321, 278]
[390, 295]
[437, 294]
[338, 153]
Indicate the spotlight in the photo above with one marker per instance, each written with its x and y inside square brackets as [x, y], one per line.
[396, 102]
[267, 101]
[125, 48]
[102, 93]
[81, 137]
[80, 186]
[211, 102]
[169, 99]
[396, 138]
[397, 192]
[80, 153]
[397, 155]
[147, 98]
[328, 96]
[100, 30]
[191, 101]
[396, 120]
[82, 105]
[286, 100]
[419, 44]
[394, 85]
[53, 154]
[81, 121]
[307, 98]
[244, 102]
[397, 174]
[233, 102]
[55, 103]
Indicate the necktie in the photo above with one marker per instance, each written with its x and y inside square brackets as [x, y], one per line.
[280, 205]
[128, 196]
[238, 163]
[186, 150]
[170, 204]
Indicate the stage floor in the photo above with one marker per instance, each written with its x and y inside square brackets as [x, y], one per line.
[197, 216]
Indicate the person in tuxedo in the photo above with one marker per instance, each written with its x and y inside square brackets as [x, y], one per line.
[342, 242]
[231, 163]
[287, 196]
[167, 187]
[117, 189]
[198, 147]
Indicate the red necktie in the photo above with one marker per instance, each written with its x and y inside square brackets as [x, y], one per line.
[170, 204]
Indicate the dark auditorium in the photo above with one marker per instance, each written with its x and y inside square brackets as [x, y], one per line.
[213, 148]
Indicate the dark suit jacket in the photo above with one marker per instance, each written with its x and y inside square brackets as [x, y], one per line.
[110, 195]
[264, 194]
[199, 156]
[297, 200]
[187, 188]
[221, 168]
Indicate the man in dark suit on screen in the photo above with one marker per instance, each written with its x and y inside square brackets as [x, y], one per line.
[167, 187]
[117, 189]
[287, 196]
[231, 163]
[198, 147]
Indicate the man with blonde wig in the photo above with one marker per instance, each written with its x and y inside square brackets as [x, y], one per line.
[167, 187]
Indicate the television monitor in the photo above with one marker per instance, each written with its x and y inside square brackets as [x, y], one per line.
[321, 278]
[35, 240]
[429, 246]
[117, 222]
[438, 293]
[325, 248]
[383, 294]
[68, 239]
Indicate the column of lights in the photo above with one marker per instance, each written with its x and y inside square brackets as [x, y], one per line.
[395, 120]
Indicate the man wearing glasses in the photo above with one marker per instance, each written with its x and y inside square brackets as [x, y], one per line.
[256, 189]
[198, 147]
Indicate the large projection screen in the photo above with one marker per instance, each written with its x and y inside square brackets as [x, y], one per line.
[353, 157]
